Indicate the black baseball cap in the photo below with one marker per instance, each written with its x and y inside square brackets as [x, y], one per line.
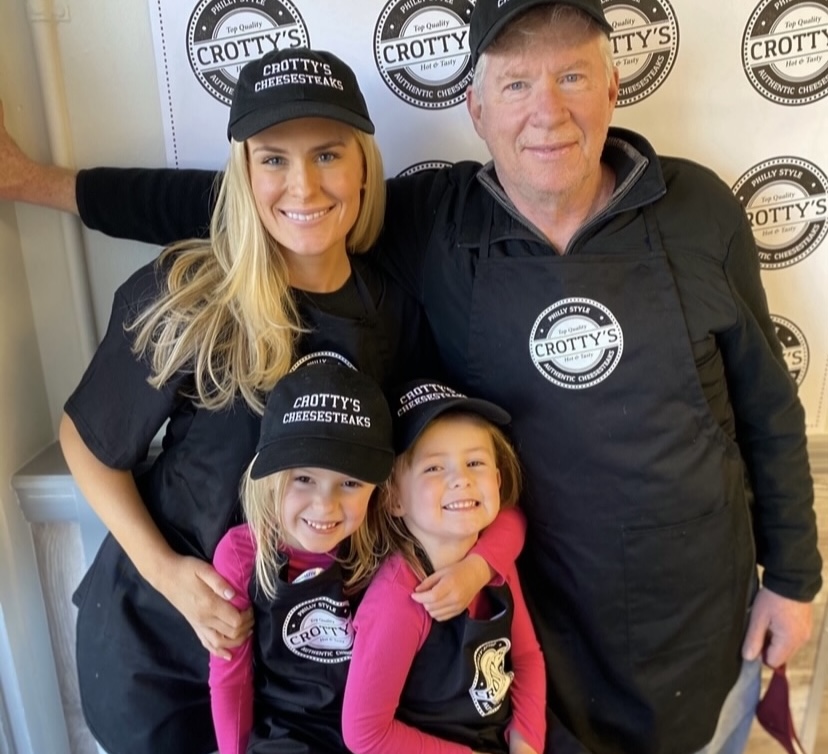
[330, 416]
[417, 403]
[489, 17]
[295, 83]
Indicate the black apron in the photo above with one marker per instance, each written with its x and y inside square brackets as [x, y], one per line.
[304, 640]
[639, 555]
[458, 685]
[142, 672]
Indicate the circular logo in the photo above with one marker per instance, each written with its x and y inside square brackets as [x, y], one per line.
[645, 40]
[223, 35]
[785, 50]
[419, 167]
[794, 347]
[320, 630]
[785, 201]
[421, 48]
[576, 343]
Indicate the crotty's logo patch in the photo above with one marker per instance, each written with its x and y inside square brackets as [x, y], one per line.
[223, 35]
[645, 41]
[421, 48]
[320, 630]
[491, 679]
[576, 343]
[794, 347]
[786, 201]
[785, 50]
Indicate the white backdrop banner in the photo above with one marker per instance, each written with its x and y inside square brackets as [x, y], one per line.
[739, 85]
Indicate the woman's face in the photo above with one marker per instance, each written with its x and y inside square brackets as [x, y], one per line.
[307, 176]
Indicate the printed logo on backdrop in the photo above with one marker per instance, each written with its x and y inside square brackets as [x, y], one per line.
[645, 40]
[576, 343]
[320, 629]
[786, 201]
[421, 48]
[223, 35]
[419, 167]
[785, 50]
[794, 347]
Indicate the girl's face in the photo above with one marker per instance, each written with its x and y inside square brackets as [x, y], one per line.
[321, 507]
[451, 490]
[307, 176]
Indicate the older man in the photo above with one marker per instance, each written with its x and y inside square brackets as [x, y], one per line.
[610, 299]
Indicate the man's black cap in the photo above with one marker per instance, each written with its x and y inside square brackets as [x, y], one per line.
[489, 17]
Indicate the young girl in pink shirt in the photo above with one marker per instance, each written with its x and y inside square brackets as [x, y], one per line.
[475, 683]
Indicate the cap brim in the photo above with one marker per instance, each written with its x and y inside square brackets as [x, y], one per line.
[427, 414]
[264, 117]
[368, 464]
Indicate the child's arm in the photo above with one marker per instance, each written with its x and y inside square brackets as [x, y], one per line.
[390, 629]
[527, 730]
[231, 681]
[449, 591]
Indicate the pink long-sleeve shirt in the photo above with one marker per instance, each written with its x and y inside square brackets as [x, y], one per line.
[390, 630]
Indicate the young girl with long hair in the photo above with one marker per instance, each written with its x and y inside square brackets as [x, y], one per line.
[309, 544]
[475, 683]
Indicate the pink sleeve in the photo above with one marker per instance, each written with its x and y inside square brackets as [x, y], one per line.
[390, 629]
[501, 541]
[231, 681]
[529, 685]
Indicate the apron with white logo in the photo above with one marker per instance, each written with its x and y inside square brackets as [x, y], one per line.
[458, 687]
[639, 557]
[303, 643]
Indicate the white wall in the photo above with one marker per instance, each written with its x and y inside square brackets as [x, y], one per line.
[29, 684]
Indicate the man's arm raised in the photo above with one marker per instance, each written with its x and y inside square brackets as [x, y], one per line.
[24, 180]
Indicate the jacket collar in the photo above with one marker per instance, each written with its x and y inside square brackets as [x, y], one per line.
[639, 181]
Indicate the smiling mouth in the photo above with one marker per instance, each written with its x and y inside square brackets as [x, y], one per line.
[305, 217]
[321, 526]
[461, 505]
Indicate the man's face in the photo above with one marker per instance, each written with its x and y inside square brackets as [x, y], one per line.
[543, 111]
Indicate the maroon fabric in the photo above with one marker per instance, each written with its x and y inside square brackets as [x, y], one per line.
[774, 712]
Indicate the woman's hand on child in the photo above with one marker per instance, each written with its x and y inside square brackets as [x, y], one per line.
[203, 597]
[449, 591]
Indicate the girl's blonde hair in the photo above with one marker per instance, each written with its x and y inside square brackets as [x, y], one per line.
[227, 313]
[360, 554]
[397, 537]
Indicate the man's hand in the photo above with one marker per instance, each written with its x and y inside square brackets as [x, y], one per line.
[24, 180]
[449, 591]
[778, 626]
[202, 596]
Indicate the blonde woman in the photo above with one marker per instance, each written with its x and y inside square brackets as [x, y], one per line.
[197, 340]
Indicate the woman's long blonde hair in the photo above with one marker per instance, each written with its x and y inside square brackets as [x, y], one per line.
[227, 313]
[360, 554]
[395, 534]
